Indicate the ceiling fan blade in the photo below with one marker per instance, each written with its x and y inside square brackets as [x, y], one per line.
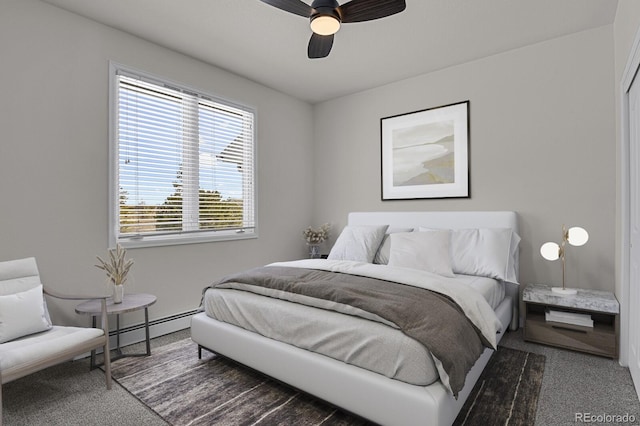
[367, 10]
[319, 46]
[297, 7]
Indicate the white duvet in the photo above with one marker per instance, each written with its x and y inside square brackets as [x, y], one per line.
[405, 359]
[473, 304]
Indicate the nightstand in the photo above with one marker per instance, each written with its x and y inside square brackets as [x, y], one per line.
[601, 307]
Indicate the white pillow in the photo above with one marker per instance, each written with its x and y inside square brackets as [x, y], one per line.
[427, 251]
[382, 255]
[359, 243]
[491, 252]
[22, 314]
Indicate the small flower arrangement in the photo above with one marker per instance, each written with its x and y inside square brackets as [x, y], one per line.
[117, 268]
[316, 236]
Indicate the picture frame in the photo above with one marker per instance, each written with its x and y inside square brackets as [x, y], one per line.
[425, 154]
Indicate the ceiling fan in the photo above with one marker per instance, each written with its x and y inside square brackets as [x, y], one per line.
[327, 15]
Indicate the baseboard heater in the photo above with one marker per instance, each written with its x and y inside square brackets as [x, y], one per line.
[132, 334]
[158, 327]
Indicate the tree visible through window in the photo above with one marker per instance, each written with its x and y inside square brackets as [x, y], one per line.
[183, 164]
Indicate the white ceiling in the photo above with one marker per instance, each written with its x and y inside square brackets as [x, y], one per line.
[269, 46]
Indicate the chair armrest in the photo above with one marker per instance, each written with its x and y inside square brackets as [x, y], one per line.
[104, 322]
[59, 295]
[103, 299]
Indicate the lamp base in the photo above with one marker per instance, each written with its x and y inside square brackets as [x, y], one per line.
[564, 291]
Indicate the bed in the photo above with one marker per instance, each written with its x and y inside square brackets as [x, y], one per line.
[398, 397]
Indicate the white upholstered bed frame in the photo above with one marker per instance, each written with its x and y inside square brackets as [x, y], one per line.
[373, 396]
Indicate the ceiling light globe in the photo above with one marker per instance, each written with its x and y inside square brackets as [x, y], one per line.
[325, 25]
[577, 236]
[550, 251]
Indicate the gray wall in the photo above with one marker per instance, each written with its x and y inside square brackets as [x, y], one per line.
[542, 143]
[54, 164]
[542, 130]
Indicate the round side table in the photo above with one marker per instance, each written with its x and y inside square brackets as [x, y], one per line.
[130, 302]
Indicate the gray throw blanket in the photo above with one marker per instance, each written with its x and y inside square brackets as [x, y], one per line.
[428, 317]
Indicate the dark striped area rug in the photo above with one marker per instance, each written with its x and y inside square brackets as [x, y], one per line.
[507, 391]
[185, 390]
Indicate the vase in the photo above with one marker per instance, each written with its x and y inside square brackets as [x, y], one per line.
[314, 251]
[118, 293]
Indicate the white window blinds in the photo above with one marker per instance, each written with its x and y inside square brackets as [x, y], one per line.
[184, 163]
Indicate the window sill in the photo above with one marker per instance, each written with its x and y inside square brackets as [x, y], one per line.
[172, 240]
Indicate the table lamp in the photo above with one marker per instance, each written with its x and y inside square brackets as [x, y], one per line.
[575, 236]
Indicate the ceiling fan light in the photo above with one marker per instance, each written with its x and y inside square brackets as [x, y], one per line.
[325, 25]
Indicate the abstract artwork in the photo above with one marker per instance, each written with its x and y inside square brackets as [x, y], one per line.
[425, 153]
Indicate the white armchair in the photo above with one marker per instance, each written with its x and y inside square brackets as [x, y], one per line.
[28, 340]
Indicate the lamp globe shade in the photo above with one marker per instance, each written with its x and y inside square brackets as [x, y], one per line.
[578, 236]
[550, 251]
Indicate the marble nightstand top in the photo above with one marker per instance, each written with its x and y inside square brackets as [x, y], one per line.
[591, 300]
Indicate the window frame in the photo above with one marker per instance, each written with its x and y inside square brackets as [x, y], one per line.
[202, 236]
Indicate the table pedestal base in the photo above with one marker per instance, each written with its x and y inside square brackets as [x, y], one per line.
[119, 354]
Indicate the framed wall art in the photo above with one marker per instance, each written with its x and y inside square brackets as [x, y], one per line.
[425, 154]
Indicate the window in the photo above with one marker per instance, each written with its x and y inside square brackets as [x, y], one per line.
[182, 164]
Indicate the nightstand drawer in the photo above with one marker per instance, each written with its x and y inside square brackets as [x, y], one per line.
[587, 307]
[599, 340]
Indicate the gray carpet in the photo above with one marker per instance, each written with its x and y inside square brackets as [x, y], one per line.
[69, 395]
[576, 383]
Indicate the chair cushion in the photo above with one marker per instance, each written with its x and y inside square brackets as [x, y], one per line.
[18, 275]
[42, 346]
[22, 314]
